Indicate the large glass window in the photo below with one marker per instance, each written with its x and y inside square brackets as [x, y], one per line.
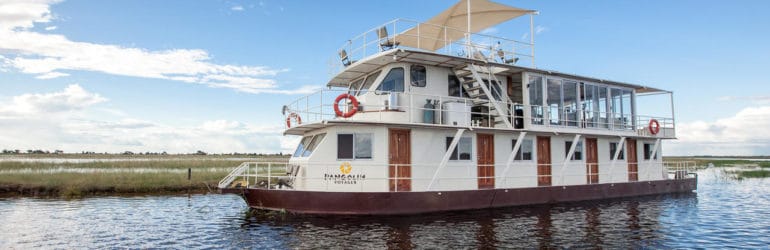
[354, 146]
[313, 144]
[617, 108]
[613, 148]
[553, 101]
[455, 89]
[603, 111]
[463, 149]
[578, 154]
[525, 150]
[355, 86]
[570, 102]
[591, 104]
[535, 86]
[417, 75]
[393, 82]
[627, 108]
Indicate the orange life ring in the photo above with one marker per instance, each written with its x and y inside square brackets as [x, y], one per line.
[350, 112]
[295, 116]
[654, 126]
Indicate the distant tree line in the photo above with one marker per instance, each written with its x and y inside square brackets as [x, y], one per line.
[56, 152]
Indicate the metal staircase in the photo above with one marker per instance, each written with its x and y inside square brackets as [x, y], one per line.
[478, 82]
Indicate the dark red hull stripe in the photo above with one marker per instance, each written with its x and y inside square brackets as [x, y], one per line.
[383, 203]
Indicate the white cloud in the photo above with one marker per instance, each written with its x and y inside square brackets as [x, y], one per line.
[46, 55]
[237, 8]
[742, 134]
[72, 98]
[50, 28]
[540, 29]
[61, 120]
[23, 14]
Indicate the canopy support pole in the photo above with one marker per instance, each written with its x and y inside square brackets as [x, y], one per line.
[468, 34]
[532, 36]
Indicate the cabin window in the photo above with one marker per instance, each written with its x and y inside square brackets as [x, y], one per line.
[578, 154]
[463, 149]
[302, 144]
[354, 146]
[495, 89]
[613, 148]
[418, 75]
[368, 82]
[455, 89]
[393, 82]
[313, 144]
[535, 86]
[648, 151]
[525, 150]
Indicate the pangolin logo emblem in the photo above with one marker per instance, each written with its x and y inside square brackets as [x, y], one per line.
[345, 168]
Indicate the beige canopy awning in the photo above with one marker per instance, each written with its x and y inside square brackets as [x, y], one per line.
[432, 35]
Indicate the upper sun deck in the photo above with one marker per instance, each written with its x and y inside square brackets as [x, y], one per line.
[427, 74]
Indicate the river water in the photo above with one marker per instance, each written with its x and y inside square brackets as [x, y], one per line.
[723, 213]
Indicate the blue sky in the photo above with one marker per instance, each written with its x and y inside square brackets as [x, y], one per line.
[180, 76]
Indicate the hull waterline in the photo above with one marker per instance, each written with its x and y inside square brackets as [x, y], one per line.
[390, 203]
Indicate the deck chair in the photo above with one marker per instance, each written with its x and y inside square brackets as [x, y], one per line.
[344, 58]
[386, 42]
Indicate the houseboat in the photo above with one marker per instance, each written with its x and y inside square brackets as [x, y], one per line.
[438, 115]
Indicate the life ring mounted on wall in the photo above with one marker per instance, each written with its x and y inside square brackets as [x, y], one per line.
[350, 112]
[654, 126]
[296, 118]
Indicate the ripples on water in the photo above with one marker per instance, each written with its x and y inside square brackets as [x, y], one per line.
[723, 213]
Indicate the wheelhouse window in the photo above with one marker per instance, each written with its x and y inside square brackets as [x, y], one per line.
[354, 146]
[553, 101]
[455, 89]
[463, 149]
[355, 86]
[393, 82]
[578, 154]
[302, 144]
[525, 150]
[613, 148]
[368, 83]
[313, 144]
[308, 144]
[418, 75]
[648, 152]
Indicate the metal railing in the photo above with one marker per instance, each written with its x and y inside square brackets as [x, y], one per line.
[462, 175]
[411, 109]
[405, 33]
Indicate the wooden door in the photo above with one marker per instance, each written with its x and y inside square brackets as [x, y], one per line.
[485, 152]
[543, 161]
[592, 161]
[400, 160]
[633, 164]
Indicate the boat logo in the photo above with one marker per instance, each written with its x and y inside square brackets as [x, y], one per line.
[345, 168]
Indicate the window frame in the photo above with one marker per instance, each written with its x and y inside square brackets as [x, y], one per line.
[378, 91]
[520, 154]
[412, 73]
[578, 149]
[353, 147]
[621, 156]
[305, 146]
[648, 150]
[456, 153]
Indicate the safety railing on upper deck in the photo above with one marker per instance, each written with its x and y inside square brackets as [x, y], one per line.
[360, 177]
[405, 33]
[411, 108]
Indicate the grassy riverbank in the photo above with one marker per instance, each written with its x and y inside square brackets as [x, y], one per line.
[70, 176]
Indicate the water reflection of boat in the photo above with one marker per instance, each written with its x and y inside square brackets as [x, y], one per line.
[435, 116]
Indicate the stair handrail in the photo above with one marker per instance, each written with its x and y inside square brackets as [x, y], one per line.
[235, 173]
[472, 68]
